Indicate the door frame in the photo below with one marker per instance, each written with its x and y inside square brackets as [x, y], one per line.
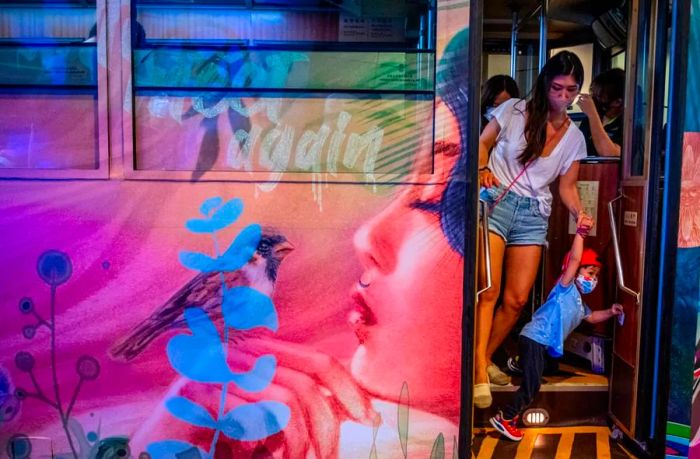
[473, 114]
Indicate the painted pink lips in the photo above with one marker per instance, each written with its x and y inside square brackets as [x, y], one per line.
[360, 316]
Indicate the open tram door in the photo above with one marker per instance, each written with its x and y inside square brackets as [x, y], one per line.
[637, 218]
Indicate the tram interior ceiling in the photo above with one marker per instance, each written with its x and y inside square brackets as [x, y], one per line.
[566, 20]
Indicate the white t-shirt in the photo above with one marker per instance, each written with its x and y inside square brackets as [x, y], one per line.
[510, 143]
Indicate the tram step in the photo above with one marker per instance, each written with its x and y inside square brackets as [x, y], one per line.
[571, 397]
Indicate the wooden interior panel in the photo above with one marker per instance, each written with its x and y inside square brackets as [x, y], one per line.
[627, 336]
[560, 240]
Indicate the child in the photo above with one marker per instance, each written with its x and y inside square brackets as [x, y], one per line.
[551, 324]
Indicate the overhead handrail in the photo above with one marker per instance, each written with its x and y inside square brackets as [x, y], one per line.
[616, 246]
[487, 244]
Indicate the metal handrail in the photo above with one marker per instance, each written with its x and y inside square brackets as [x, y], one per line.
[487, 245]
[616, 246]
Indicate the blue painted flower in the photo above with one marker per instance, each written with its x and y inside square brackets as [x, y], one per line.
[54, 267]
[87, 367]
[24, 361]
[26, 305]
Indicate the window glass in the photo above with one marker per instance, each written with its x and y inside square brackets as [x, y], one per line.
[48, 86]
[282, 86]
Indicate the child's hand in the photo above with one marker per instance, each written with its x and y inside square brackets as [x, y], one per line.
[616, 309]
[584, 224]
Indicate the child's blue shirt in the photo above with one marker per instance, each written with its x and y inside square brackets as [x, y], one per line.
[557, 318]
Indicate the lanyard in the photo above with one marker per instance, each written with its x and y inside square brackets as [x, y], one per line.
[565, 124]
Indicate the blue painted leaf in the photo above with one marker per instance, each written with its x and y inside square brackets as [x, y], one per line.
[197, 261]
[167, 449]
[241, 249]
[200, 323]
[255, 421]
[200, 356]
[209, 205]
[224, 216]
[245, 308]
[189, 411]
[228, 213]
[259, 377]
[192, 453]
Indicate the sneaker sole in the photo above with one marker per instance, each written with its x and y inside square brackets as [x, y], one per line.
[502, 431]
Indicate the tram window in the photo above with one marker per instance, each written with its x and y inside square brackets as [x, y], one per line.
[618, 61]
[283, 87]
[49, 70]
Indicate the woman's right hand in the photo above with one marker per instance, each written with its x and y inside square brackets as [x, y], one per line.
[487, 179]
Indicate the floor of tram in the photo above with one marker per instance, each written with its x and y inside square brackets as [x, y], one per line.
[575, 399]
[580, 442]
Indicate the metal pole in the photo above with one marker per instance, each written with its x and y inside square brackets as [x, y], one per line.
[543, 33]
[513, 47]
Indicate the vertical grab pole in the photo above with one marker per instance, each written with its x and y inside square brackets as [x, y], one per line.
[487, 245]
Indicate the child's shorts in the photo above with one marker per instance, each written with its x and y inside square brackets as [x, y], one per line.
[517, 219]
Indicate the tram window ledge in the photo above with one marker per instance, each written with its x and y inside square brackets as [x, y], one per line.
[600, 160]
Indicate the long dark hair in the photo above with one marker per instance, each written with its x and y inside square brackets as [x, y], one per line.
[562, 63]
[451, 77]
[494, 86]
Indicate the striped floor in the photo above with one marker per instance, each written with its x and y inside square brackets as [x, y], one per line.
[585, 442]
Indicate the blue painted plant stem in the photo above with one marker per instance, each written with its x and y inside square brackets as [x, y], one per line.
[54, 371]
[224, 389]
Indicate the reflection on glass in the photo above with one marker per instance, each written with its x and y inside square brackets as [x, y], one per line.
[283, 86]
[48, 69]
[642, 94]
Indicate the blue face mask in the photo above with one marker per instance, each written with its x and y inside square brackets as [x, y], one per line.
[586, 284]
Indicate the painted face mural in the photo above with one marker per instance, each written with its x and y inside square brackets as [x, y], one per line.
[309, 306]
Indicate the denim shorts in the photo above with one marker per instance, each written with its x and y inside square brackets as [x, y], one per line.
[517, 219]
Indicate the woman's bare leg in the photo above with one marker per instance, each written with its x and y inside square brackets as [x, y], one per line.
[521, 264]
[486, 302]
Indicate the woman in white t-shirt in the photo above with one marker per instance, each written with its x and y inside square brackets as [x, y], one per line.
[532, 143]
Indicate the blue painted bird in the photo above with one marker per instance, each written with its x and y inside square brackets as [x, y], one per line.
[204, 291]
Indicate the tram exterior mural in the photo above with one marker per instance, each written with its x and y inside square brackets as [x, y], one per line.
[683, 432]
[309, 303]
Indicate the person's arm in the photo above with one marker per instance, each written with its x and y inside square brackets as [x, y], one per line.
[583, 226]
[573, 262]
[601, 316]
[487, 140]
[568, 191]
[601, 141]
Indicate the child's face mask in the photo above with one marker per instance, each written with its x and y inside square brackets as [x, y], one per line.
[586, 284]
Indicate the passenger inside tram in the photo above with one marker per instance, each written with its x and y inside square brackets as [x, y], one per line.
[604, 109]
[534, 143]
[544, 335]
[496, 90]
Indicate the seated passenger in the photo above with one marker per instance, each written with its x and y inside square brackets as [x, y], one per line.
[496, 90]
[603, 108]
[551, 324]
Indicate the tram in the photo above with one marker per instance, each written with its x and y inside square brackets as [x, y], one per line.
[250, 228]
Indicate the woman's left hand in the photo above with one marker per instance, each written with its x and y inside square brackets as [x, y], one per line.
[585, 102]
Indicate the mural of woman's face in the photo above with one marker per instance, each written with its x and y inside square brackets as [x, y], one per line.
[407, 303]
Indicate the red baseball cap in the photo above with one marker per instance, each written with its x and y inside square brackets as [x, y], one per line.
[589, 257]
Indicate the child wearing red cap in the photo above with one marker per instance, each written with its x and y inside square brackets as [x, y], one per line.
[551, 324]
